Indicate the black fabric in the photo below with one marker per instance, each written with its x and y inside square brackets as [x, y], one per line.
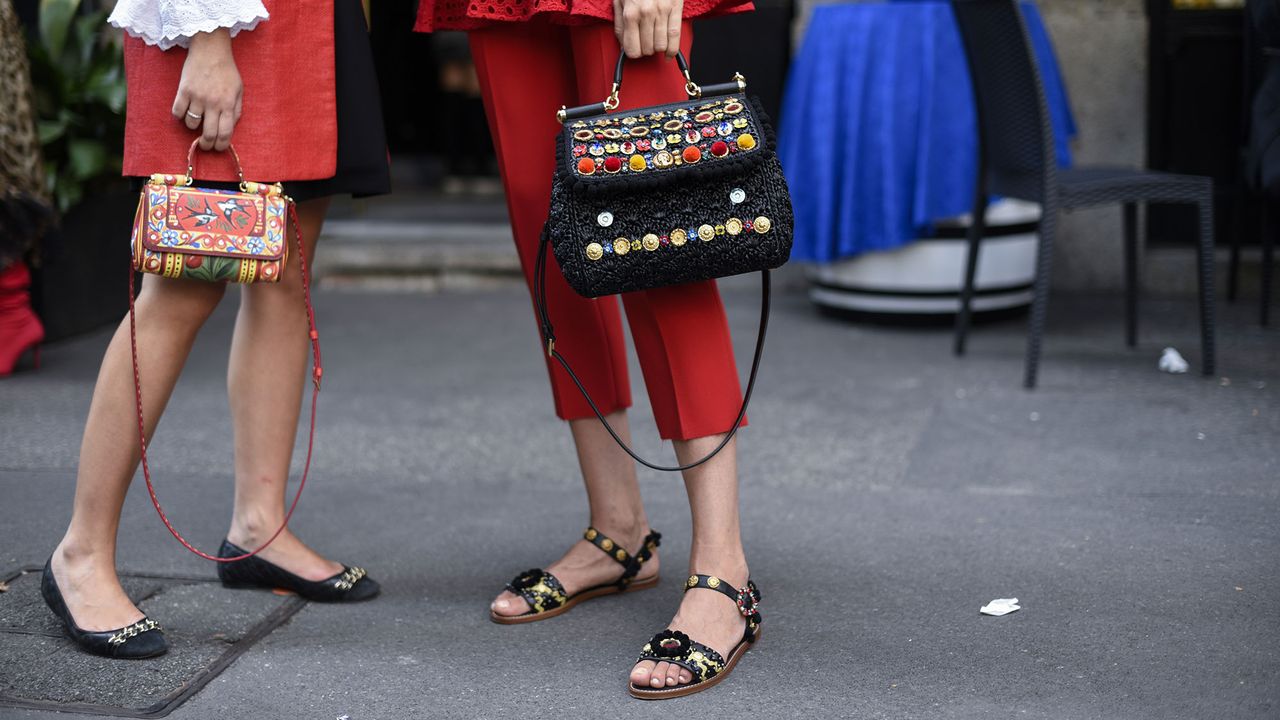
[1264, 136]
[363, 169]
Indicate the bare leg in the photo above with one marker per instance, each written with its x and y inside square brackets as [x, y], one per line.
[271, 333]
[613, 494]
[169, 314]
[705, 616]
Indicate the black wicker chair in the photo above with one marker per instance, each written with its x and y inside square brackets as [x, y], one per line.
[1017, 160]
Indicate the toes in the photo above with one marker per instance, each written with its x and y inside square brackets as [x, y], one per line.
[686, 677]
[659, 677]
[641, 672]
[509, 604]
[673, 675]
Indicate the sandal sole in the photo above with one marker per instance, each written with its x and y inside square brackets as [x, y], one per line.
[569, 605]
[648, 693]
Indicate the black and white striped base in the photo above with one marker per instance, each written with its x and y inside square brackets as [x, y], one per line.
[925, 277]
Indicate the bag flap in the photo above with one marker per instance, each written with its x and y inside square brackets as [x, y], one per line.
[245, 224]
[657, 145]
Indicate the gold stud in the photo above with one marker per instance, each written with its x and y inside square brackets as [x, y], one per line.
[761, 224]
[713, 582]
[607, 544]
[651, 242]
[733, 226]
[622, 246]
[693, 581]
[592, 533]
[595, 251]
[663, 159]
[621, 554]
[679, 237]
[706, 232]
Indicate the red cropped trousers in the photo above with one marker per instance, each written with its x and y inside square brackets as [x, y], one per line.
[527, 71]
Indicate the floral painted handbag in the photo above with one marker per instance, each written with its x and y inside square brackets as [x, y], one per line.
[182, 230]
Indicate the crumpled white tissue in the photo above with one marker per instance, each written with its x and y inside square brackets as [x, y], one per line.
[1000, 606]
[1173, 362]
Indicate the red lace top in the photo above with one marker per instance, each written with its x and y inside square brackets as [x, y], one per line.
[473, 14]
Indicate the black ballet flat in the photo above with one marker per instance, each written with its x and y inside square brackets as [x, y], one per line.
[353, 584]
[143, 639]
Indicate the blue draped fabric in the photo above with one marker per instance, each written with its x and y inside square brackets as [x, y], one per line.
[878, 131]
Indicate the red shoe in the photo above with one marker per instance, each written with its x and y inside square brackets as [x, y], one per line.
[20, 329]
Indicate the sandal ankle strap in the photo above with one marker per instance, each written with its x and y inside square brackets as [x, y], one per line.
[746, 598]
[631, 563]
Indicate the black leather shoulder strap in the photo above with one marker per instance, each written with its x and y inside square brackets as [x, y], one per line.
[549, 336]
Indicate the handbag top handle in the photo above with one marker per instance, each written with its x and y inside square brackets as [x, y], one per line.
[611, 103]
[191, 162]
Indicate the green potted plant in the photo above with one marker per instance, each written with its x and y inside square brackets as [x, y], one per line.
[78, 73]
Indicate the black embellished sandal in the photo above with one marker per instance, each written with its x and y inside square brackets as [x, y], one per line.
[707, 666]
[143, 639]
[353, 584]
[547, 598]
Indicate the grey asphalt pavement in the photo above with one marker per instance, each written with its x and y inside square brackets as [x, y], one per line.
[889, 490]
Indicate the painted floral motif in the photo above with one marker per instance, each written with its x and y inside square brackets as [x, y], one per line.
[211, 235]
[663, 139]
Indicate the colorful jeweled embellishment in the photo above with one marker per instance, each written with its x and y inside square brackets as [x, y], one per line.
[639, 131]
[594, 252]
[679, 237]
[733, 226]
[663, 159]
[650, 242]
[733, 108]
[584, 135]
[761, 224]
[596, 149]
[622, 246]
[612, 133]
[672, 125]
[706, 232]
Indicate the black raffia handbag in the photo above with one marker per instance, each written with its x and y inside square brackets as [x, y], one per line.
[665, 195]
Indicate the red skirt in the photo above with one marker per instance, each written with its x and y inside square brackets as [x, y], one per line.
[288, 129]
[474, 14]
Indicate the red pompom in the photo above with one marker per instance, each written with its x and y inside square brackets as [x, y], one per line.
[719, 148]
[692, 154]
[612, 164]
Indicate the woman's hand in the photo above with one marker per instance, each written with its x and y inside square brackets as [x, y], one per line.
[210, 92]
[645, 27]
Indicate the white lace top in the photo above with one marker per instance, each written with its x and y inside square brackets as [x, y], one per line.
[167, 23]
